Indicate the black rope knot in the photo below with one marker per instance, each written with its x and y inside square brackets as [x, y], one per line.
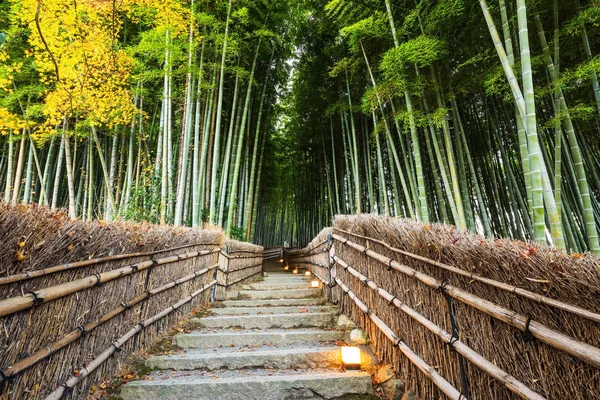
[142, 326]
[117, 348]
[126, 306]
[364, 252]
[134, 267]
[81, 330]
[451, 343]
[154, 261]
[36, 298]
[527, 335]
[98, 279]
[3, 377]
[68, 389]
[389, 268]
[445, 283]
[392, 300]
[365, 281]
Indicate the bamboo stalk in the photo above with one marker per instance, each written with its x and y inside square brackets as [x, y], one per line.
[425, 368]
[74, 335]
[509, 381]
[12, 305]
[582, 312]
[558, 340]
[94, 261]
[117, 344]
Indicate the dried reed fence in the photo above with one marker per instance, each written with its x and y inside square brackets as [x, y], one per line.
[273, 253]
[525, 315]
[79, 297]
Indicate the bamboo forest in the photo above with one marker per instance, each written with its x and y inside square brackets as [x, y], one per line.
[269, 117]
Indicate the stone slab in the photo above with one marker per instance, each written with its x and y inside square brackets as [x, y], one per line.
[312, 301]
[241, 358]
[255, 338]
[286, 321]
[270, 310]
[277, 286]
[311, 385]
[274, 294]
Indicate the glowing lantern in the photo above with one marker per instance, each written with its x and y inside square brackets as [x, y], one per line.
[287, 267]
[314, 284]
[281, 260]
[307, 273]
[351, 357]
[295, 271]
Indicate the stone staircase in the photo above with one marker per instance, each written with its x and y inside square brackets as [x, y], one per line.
[273, 340]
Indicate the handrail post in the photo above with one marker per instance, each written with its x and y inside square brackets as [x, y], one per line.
[221, 275]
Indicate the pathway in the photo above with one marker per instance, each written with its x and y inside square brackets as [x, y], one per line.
[272, 340]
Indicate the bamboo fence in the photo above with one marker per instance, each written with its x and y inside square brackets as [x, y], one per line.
[74, 323]
[525, 315]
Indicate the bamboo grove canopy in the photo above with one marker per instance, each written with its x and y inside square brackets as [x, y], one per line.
[270, 117]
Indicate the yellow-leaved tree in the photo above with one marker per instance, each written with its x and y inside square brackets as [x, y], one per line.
[75, 47]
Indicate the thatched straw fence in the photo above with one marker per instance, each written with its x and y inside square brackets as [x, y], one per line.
[273, 253]
[79, 297]
[526, 317]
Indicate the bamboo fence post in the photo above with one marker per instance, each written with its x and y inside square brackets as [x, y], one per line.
[579, 311]
[509, 381]
[558, 340]
[425, 368]
[74, 335]
[12, 305]
[117, 344]
[87, 263]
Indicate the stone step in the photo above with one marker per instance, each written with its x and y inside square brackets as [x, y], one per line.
[312, 301]
[303, 357]
[290, 278]
[274, 294]
[277, 286]
[286, 321]
[226, 338]
[270, 310]
[260, 385]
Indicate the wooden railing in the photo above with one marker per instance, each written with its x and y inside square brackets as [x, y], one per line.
[53, 332]
[273, 253]
[397, 303]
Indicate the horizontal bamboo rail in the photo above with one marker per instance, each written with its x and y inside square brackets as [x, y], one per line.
[116, 345]
[276, 252]
[76, 334]
[86, 263]
[582, 312]
[558, 340]
[229, 257]
[240, 279]
[312, 252]
[12, 305]
[438, 380]
[509, 381]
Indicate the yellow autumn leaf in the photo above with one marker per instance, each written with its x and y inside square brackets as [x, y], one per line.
[20, 256]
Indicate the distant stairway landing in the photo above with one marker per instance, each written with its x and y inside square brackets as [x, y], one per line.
[273, 340]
